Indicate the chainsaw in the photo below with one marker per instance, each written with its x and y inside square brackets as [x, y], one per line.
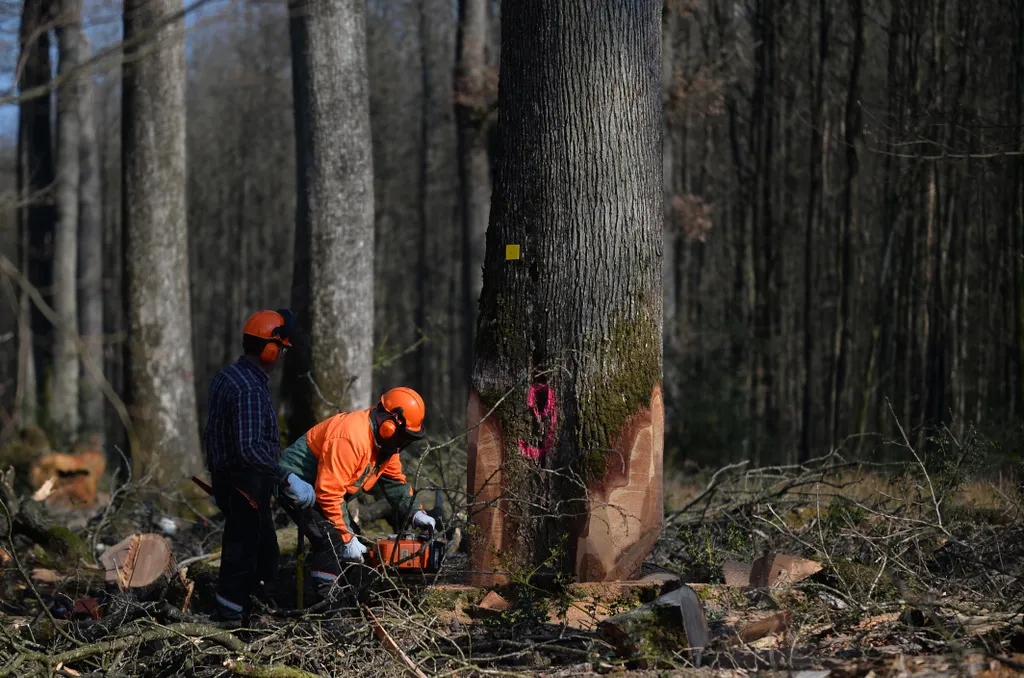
[408, 555]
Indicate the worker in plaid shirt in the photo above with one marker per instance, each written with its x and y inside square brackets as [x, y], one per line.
[242, 451]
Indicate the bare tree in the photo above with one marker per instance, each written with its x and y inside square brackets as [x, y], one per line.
[63, 379]
[571, 323]
[90, 249]
[35, 181]
[335, 208]
[473, 100]
[160, 386]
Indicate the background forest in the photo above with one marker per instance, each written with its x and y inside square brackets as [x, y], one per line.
[844, 192]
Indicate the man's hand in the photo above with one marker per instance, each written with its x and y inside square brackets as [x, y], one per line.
[299, 491]
[353, 551]
[421, 519]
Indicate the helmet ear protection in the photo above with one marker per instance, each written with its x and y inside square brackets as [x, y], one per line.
[272, 349]
[396, 422]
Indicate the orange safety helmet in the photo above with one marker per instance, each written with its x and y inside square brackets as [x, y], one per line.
[407, 411]
[272, 326]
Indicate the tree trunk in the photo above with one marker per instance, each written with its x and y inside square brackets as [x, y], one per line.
[335, 188]
[114, 311]
[571, 329]
[90, 251]
[441, 369]
[63, 379]
[296, 388]
[816, 157]
[37, 212]
[846, 281]
[473, 100]
[160, 386]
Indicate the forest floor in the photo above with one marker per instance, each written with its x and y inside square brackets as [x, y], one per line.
[895, 570]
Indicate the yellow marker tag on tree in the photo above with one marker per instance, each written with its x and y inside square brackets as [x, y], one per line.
[511, 252]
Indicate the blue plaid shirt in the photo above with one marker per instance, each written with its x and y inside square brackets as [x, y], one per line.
[241, 430]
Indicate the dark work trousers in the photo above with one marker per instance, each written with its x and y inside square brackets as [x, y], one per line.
[249, 549]
[325, 564]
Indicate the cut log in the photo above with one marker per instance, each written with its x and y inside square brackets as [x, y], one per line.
[74, 478]
[138, 561]
[780, 569]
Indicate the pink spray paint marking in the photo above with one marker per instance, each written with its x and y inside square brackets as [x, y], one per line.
[536, 453]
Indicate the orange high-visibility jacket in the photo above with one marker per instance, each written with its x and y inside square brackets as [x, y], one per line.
[349, 460]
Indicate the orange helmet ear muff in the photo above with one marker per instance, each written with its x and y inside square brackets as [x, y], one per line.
[274, 327]
[389, 427]
[270, 351]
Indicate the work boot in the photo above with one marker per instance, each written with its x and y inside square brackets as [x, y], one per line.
[227, 611]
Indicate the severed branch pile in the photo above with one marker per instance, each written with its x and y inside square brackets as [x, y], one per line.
[828, 566]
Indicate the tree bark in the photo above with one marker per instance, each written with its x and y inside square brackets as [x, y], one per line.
[160, 383]
[63, 379]
[335, 187]
[816, 157]
[473, 100]
[846, 282]
[296, 388]
[37, 213]
[90, 251]
[571, 330]
[441, 370]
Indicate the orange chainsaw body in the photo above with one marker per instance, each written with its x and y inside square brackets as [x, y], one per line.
[409, 554]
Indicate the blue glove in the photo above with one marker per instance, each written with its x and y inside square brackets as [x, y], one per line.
[299, 491]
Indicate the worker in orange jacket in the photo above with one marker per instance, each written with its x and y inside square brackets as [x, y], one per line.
[343, 455]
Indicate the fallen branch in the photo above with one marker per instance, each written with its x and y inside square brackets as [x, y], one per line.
[272, 671]
[222, 637]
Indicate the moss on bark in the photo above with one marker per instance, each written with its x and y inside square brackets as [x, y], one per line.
[631, 360]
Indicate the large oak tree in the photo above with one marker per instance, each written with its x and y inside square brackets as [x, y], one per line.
[567, 472]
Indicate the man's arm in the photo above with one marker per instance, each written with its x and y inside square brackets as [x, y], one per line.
[336, 471]
[397, 489]
[251, 435]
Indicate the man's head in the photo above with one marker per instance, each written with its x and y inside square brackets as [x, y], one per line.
[397, 419]
[266, 336]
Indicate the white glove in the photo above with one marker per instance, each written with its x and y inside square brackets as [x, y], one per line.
[299, 491]
[353, 551]
[421, 519]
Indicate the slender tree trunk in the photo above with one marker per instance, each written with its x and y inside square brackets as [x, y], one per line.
[473, 100]
[114, 311]
[852, 131]
[90, 252]
[816, 157]
[296, 388]
[878, 341]
[335, 187]
[63, 386]
[37, 211]
[572, 328]
[160, 385]
[440, 368]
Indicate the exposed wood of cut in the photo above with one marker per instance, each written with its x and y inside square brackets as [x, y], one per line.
[778, 569]
[138, 561]
[625, 507]
[484, 472]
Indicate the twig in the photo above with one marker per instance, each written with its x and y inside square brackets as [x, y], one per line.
[390, 644]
